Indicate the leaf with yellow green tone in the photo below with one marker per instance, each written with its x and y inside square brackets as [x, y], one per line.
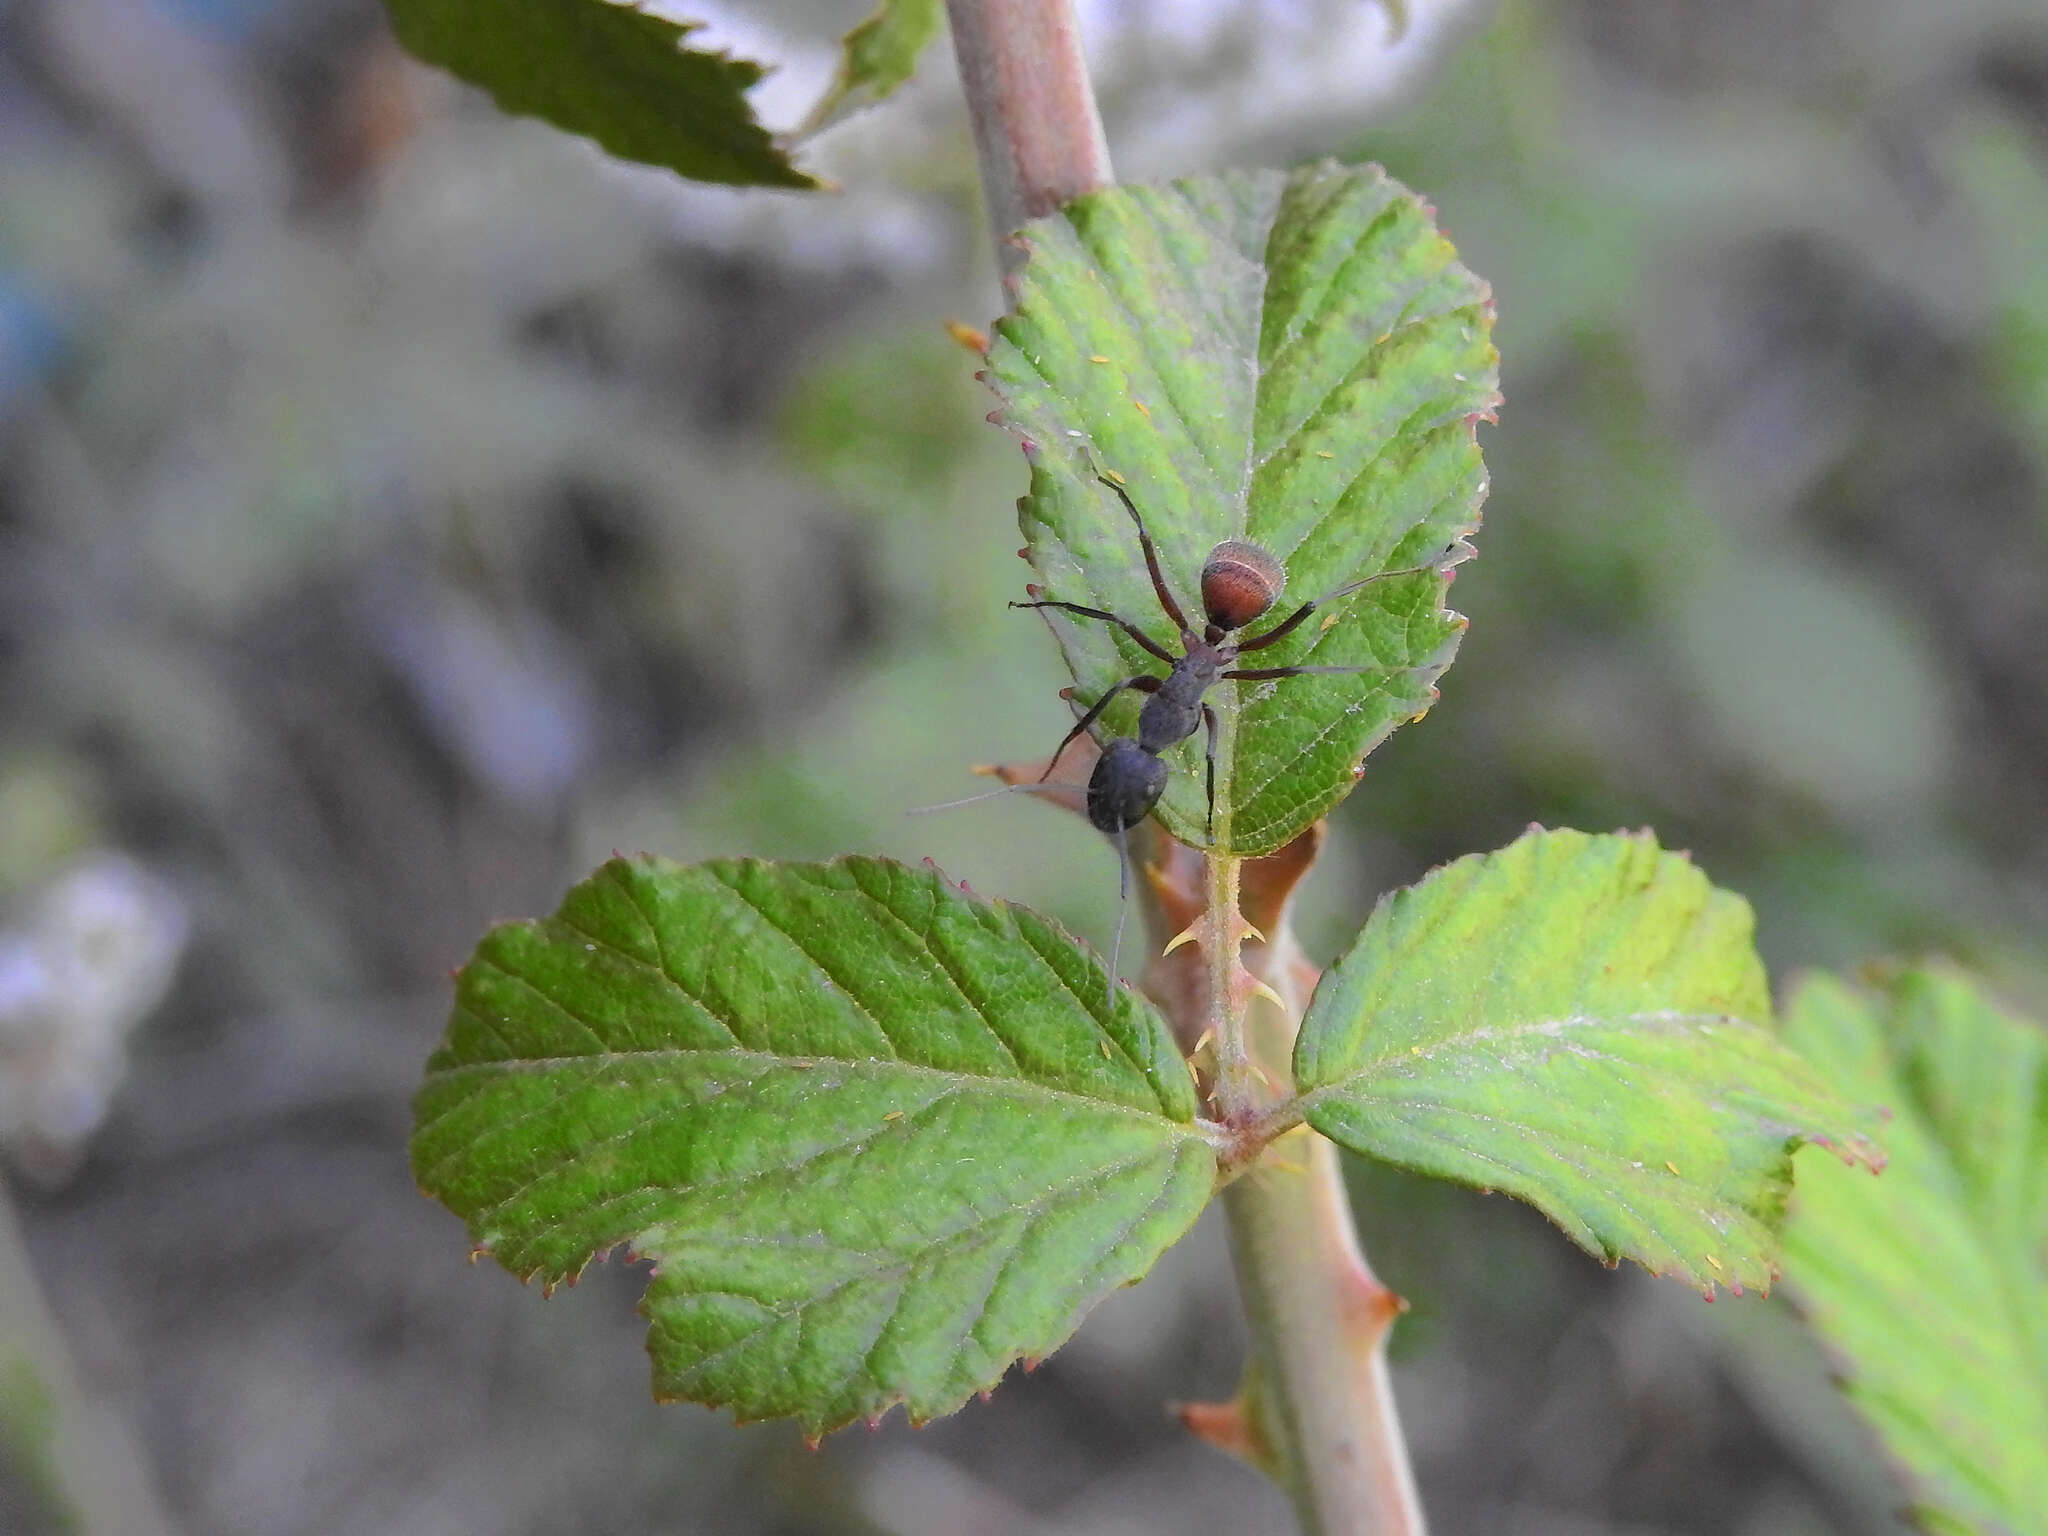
[879, 1138]
[1581, 1022]
[1930, 1285]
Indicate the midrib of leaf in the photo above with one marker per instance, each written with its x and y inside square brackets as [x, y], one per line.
[938, 967]
[1443, 1045]
[894, 1067]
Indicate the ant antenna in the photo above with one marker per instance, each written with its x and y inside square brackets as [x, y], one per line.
[990, 794]
[1123, 904]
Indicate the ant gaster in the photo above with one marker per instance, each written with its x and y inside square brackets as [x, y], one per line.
[1240, 582]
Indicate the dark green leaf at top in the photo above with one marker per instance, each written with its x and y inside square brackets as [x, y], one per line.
[1931, 1285]
[609, 72]
[880, 1138]
[1581, 1022]
[1296, 360]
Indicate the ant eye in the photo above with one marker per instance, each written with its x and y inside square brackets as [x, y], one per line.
[1240, 581]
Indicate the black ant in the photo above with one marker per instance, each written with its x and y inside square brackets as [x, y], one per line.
[1240, 582]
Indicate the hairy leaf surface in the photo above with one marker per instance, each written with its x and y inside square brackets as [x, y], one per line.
[1297, 360]
[1581, 1022]
[879, 1137]
[1931, 1284]
[612, 73]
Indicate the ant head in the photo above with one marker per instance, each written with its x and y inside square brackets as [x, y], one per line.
[1240, 581]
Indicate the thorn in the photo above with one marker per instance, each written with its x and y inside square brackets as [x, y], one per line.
[1223, 1425]
[1024, 554]
[1119, 479]
[812, 1442]
[897, 1114]
[1260, 989]
[1103, 1046]
[1030, 1363]
[1673, 1167]
[1712, 1262]
[973, 340]
[1188, 935]
[547, 1290]
[1097, 357]
[478, 1252]
[1141, 409]
[874, 1422]
[985, 1394]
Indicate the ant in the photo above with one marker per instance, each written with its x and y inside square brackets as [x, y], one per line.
[1239, 583]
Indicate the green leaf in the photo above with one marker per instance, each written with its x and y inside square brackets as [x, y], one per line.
[1931, 1284]
[1581, 1022]
[1296, 360]
[876, 57]
[610, 72]
[880, 1138]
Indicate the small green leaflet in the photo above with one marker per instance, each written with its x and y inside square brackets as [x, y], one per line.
[1930, 1286]
[1581, 1022]
[875, 58]
[1297, 360]
[880, 1138]
[612, 73]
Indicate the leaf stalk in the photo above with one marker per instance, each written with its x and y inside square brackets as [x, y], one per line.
[1037, 133]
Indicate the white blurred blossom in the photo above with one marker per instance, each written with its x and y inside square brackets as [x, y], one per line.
[83, 961]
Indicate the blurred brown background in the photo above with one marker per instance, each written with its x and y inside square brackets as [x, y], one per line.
[400, 508]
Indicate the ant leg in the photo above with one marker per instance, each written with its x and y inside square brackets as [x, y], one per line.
[1151, 559]
[1209, 720]
[1288, 625]
[1260, 674]
[1125, 625]
[1144, 682]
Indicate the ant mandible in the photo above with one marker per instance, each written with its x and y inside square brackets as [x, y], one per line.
[1240, 581]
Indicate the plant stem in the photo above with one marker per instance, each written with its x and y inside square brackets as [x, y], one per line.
[1317, 1385]
[1036, 130]
[1319, 1316]
[1319, 1323]
[1236, 1095]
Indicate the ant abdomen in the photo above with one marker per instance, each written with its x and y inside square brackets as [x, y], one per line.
[1126, 784]
[1240, 581]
